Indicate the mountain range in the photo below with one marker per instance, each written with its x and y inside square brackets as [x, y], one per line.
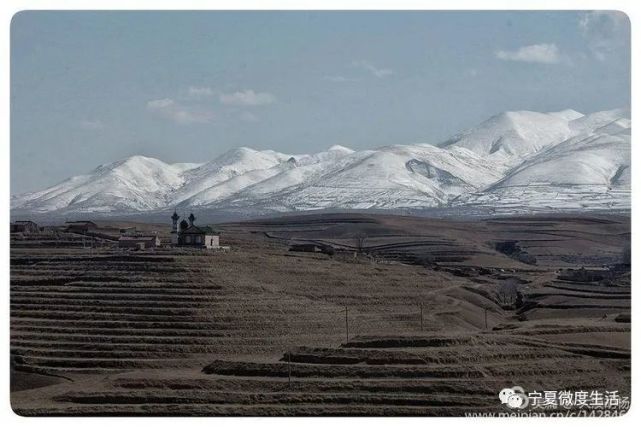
[514, 162]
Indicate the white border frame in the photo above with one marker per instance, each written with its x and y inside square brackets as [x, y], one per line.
[9, 7]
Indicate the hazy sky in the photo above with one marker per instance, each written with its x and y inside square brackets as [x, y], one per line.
[93, 87]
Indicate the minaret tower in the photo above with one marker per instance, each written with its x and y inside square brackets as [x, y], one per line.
[174, 221]
[174, 228]
[191, 219]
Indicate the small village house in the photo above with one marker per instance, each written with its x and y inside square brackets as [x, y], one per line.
[80, 226]
[138, 242]
[127, 230]
[305, 247]
[24, 227]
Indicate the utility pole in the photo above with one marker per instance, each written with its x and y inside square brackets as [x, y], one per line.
[485, 309]
[346, 326]
[289, 369]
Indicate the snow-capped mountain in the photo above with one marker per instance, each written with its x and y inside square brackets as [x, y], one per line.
[514, 162]
[134, 184]
[590, 170]
[231, 165]
[509, 137]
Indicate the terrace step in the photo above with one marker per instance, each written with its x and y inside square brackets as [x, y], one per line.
[252, 410]
[284, 398]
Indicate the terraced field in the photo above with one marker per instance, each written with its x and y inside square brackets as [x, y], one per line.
[260, 330]
[413, 375]
[77, 313]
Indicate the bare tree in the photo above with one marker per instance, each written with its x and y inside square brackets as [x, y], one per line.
[507, 293]
[360, 242]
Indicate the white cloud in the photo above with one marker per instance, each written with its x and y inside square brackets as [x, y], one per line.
[91, 125]
[197, 91]
[194, 109]
[169, 109]
[605, 32]
[247, 98]
[377, 72]
[544, 53]
[159, 104]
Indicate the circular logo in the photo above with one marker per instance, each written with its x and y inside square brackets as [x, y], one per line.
[505, 394]
[514, 398]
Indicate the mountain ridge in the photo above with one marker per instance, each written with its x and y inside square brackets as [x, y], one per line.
[561, 152]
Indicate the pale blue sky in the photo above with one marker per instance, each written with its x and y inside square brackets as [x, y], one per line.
[94, 87]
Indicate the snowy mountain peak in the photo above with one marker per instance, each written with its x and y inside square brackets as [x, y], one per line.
[132, 162]
[236, 154]
[557, 160]
[340, 148]
[513, 135]
[567, 114]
